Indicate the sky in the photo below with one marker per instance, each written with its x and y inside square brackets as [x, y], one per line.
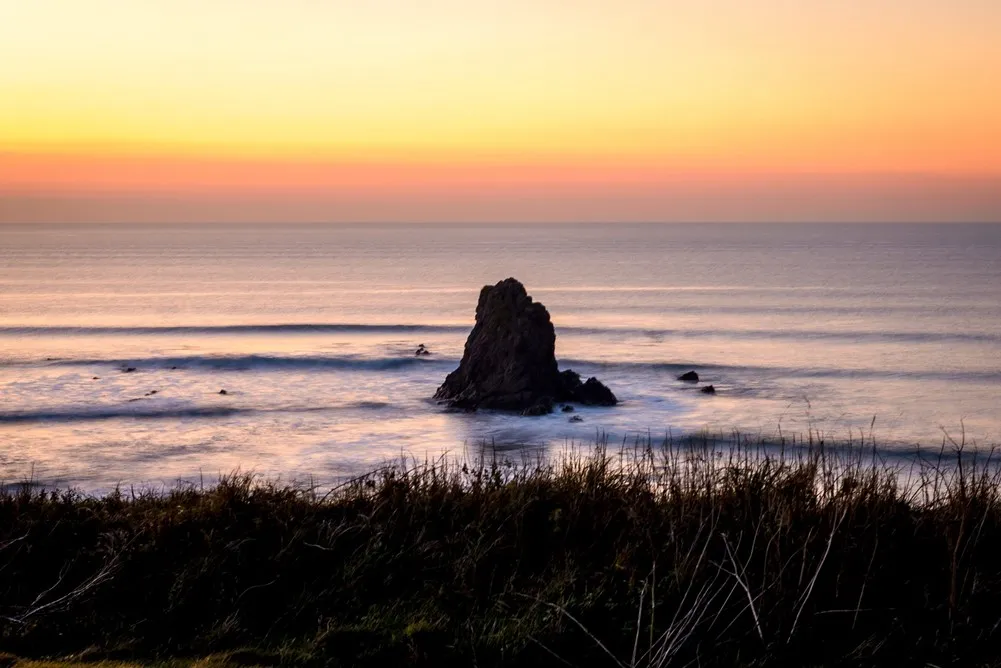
[520, 110]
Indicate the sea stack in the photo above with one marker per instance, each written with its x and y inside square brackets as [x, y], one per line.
[509, 362]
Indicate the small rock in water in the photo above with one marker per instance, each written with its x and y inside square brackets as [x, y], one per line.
[95, 378]
[223, 392]
[690, 377]
[594, 392]
[128, 369]
[421, 350]
[575, 418]
[709, 389]
[567, 408]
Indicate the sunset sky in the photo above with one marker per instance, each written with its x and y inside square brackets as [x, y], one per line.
[523, 110]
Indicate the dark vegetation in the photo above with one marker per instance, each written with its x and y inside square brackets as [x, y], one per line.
[673, 556]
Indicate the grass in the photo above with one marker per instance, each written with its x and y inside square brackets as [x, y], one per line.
[225, 660]
[679, 554]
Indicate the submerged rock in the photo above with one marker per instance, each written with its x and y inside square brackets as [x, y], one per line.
[223, 392]
[690, 377]
[709, 389]
[459, 409]
[567, 408]
[421, 350]
[575, 418]
[509, 361]
[543, 406]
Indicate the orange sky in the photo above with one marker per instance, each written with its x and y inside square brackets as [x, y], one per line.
[257, 110]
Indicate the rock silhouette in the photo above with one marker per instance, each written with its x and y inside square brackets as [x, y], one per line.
[509, 361]
[690, 377]
[543, 406]
[709, 389]
[592, 391]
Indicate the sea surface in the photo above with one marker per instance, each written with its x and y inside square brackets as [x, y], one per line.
[893, 330]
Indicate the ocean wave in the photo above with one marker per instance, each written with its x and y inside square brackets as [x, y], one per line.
[442, 365]
[717, 370]
[792, 335]
[258, 362]
[853, 336]
[286, 328]
[149, 411]
[115, 412]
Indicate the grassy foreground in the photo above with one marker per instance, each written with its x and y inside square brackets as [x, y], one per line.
[666, 556]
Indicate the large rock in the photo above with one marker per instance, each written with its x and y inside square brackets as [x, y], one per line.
[510, 359]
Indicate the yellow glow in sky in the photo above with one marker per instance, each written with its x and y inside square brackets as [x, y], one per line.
[686, 86]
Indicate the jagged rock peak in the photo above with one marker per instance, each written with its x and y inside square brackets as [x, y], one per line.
[509, 361]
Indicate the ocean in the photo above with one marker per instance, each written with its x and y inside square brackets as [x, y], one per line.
[835, 330]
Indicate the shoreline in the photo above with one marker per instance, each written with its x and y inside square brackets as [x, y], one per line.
[905, 457]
